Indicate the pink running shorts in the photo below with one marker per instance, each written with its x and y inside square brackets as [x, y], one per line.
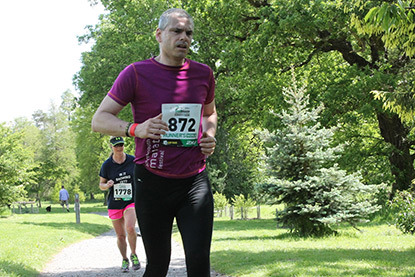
[115, 214]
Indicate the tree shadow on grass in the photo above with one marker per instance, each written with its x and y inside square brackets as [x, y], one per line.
[8, 268]
[319, 262]
[240, 225]
[88, 228]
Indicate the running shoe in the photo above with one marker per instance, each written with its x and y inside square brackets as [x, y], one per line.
[124, 266]
[135, 262]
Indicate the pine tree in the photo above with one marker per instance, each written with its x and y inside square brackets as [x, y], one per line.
[304, 176]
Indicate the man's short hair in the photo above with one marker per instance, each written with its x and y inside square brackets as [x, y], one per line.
[165, 17]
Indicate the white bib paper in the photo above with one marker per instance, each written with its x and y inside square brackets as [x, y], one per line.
[123, 191]
[183, 121]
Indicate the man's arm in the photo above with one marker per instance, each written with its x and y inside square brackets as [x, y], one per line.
[209, 124]
[105, 121]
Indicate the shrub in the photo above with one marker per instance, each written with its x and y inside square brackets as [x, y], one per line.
[404, 204]
[220, 202]
[242, 205]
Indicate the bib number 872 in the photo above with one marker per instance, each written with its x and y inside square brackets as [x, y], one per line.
[183, 122]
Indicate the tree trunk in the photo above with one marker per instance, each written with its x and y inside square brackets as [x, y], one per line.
[401, 161]
[38, 200]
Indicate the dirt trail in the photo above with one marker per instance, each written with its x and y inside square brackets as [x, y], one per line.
[100, 256]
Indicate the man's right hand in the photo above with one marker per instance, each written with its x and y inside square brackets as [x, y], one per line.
[152, 128]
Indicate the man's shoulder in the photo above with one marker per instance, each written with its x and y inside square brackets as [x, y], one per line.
[199, 65]
[141, 63]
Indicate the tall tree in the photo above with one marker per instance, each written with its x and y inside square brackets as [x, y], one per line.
[258, 41]
[14, 166]
[56, 160]
[251, 45]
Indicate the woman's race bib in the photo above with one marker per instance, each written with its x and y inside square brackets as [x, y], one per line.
[123, 191]
[183, 121]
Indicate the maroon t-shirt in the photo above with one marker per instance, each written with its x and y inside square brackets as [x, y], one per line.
[147, 85]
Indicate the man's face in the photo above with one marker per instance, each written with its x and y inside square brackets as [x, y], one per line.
[176, 38]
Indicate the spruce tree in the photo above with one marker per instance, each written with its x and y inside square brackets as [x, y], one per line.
[304, 176]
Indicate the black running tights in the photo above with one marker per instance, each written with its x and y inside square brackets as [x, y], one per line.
[158, 201]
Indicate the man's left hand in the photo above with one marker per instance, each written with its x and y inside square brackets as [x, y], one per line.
[207, 144]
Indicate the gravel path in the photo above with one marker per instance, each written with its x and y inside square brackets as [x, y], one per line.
[100, 257]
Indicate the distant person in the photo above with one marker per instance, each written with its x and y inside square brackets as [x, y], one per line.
[64, 198]
[116, 175]
[173, 104]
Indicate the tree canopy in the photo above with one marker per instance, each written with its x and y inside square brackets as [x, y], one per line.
[356, 57]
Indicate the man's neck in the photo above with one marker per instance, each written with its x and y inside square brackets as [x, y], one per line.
[170, 62]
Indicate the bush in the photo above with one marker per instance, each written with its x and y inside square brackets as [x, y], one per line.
[404, 204]
[220, 202]
[242, 205]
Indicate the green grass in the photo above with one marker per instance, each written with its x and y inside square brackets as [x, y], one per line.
[240, 248]
[258, 248]
[29, 241]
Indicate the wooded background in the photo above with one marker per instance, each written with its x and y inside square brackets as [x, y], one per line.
[355, 57]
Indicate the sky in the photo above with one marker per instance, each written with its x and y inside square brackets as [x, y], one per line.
[39, 52]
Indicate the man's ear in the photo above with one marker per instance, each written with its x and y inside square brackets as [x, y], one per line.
[158, 35]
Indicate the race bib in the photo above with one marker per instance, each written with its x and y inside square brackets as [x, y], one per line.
[183, 121]
[123, 191]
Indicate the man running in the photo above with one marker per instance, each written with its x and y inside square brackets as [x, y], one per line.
[173, 105]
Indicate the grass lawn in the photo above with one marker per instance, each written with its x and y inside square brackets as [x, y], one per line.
[258, 248]
[240, 248]
[29, 241]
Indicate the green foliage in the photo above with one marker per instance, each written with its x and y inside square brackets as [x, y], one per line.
[317, 194]
[221, 202]
[55, 194]
[395, 22]
[14, 168]
[48, 157]
[402, 103]
[76, 190]
[251, 45]
[404, 207]
[72, 190]
[123, 36]
[234, 166]
[242, 204]
[318, 202]
[56, 159]
[93, 150]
